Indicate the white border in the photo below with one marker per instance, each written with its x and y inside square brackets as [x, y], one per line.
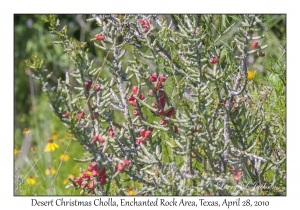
[154, 6]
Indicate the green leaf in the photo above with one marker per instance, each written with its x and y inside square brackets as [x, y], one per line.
[224, 20]
[52, 20]
[223, 54]
[234, 17]
[45, 18]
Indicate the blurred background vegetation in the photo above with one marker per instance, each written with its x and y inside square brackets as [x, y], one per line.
[32, 111]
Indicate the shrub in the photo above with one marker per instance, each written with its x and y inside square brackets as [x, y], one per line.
[173, 113]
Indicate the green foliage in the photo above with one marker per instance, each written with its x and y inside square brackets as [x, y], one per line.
[225, 119]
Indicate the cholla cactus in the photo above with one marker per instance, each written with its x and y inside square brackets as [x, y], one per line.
[174, 114]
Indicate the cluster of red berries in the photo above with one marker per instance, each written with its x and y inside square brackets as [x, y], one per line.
[132, 100]
[158, 81]
[214, 60]
[162, 100]
[80, 115]
[254, 45]
[88, 181]
[237, 174]
[121, 165]
[99, 139]
[145, 24]
[144, 135]
[99, 37]
[88, 85]
[111, 132]
[153, 78]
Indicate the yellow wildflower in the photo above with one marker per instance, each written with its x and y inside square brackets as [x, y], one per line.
[50, 170]
[31, 180]
[131, 192]
[55, 136]
[251, 74]
[64, 157]
[67, 180]
[32, 148]
[15, 150]
[51, 146]
[61, 141]
[26, 131]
